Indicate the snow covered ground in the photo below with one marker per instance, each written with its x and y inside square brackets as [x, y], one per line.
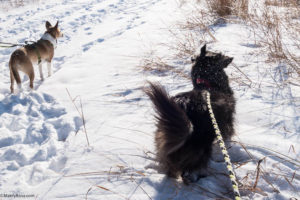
[43, 147]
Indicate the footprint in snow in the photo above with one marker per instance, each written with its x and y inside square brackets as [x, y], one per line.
[87, 46]
[33, 129]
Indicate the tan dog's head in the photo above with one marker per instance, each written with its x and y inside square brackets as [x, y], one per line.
[53, 30]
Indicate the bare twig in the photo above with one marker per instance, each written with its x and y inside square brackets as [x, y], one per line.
[83, 120]
[257, 173]
[235, 66]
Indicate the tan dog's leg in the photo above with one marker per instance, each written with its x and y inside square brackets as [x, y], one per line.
[31, 76]
[49, 69]
[12, 82]
[20, 87]
[41, 71]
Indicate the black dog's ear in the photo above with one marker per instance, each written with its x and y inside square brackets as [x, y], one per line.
[48, 25]
[203, 50]
[227, 61]
[193, 59]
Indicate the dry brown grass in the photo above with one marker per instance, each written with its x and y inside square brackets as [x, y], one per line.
[81, 114]
[191, 33]
[283, 3]
[11, 4]
[194, 31]
[266, 174]
[157, 64]
[220, 7]
[277, 32]
[187, 36]
[225, 8]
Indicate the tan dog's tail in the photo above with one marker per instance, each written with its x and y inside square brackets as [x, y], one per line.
[14, 72]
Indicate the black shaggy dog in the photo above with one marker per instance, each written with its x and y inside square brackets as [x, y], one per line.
[185, 133]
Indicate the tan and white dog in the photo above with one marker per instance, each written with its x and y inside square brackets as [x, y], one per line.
[43, 50]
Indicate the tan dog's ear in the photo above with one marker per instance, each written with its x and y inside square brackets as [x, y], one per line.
[48, 25]
[56, 25]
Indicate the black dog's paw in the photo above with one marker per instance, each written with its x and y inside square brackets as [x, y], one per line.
[189, 177]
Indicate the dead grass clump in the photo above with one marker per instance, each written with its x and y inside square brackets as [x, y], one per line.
[220, 7]
[223, 8]
[159, 65]
[241, 8]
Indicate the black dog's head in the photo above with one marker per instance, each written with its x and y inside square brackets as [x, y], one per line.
[208, 70]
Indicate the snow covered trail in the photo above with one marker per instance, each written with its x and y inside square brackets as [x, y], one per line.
[43, 149]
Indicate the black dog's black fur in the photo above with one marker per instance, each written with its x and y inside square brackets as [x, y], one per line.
[185, 134]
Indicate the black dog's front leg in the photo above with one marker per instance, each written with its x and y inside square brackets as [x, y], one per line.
[192, 177]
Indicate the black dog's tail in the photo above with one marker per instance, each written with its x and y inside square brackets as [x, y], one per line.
[173, 123]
